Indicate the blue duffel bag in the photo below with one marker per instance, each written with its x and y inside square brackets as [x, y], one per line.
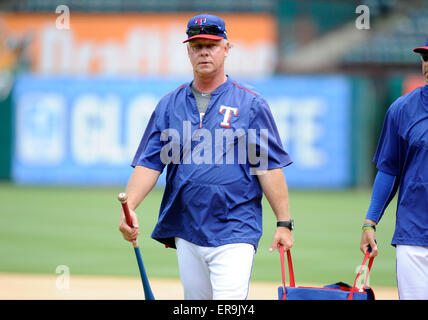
[337, 291]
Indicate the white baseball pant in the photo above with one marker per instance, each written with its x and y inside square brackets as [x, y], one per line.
[412, 272]
[219, 273]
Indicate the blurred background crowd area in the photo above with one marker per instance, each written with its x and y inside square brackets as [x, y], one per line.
[78, 87]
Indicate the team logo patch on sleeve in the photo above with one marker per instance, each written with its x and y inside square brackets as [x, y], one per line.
[228, 112]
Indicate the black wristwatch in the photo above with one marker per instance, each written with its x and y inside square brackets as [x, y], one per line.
[287, 224]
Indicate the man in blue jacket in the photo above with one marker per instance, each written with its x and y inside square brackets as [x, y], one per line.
[222, 151]
[402, 162]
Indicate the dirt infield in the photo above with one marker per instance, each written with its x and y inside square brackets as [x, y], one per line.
[51, 287]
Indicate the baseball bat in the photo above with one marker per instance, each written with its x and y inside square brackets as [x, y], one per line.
[123, 198]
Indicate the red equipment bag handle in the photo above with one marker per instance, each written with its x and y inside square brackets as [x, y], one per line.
[291, 271]
[369, 267]
[290, 268]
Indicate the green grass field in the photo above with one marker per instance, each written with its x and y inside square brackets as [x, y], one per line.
[44, 227]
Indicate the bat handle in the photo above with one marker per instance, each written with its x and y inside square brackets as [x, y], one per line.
[127, 214]
[123, 198]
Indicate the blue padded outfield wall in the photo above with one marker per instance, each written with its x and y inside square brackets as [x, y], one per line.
[85, 130]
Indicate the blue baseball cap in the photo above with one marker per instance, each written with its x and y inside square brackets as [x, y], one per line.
[206, 26]
[422, 49]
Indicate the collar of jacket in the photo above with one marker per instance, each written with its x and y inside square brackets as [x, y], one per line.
[220, 89]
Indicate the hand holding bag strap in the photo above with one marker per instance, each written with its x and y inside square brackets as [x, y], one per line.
[290, 269]
[354, 287]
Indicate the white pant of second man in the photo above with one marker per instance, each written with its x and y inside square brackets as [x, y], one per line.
[412, 272]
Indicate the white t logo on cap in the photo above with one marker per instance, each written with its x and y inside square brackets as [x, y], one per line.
[200, 20]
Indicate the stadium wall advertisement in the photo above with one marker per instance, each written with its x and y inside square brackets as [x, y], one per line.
[137, 43]
[85, 130]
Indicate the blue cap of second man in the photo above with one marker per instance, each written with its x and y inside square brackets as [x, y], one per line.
[197, 23]
[422, 49]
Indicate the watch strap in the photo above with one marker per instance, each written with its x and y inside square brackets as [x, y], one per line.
[287, 224]
[368, 226]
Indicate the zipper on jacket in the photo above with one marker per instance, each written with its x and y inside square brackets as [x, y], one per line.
[201, 116]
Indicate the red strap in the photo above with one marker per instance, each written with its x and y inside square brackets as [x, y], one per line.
[369, 268]
[281, 256]
[354, 287]
[290, 269]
